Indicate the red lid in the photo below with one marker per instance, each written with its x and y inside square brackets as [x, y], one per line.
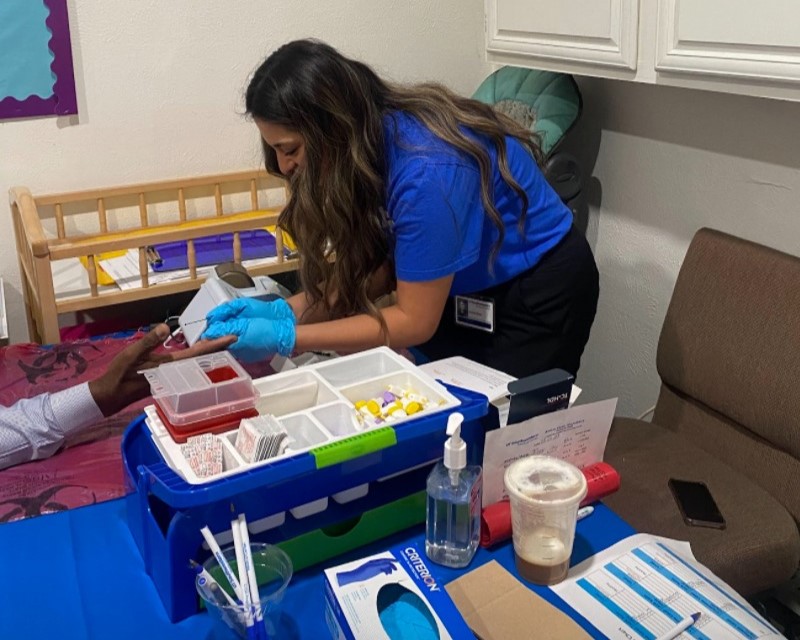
[228, 422]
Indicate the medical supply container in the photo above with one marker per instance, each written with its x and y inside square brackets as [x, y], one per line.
[359, 450]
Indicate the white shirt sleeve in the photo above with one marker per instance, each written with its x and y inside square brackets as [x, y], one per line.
[35, 428]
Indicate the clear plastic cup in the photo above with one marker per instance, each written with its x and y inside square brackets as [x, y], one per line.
[545, 493]
[273, 572]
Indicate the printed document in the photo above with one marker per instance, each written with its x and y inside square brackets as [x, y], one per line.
[644, 585]
[468, 374]
[124, 270]
[577, 435]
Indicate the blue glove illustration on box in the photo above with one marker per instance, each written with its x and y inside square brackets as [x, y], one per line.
[369, 569]
[262, 328]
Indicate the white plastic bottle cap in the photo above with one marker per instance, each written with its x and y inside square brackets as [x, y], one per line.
[455, 449]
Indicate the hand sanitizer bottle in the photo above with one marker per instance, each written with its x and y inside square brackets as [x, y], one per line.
[453, 518]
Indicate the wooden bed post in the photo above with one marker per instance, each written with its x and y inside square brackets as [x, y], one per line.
[50, 333]
[34, 266]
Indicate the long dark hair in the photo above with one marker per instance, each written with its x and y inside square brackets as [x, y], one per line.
[336, 204]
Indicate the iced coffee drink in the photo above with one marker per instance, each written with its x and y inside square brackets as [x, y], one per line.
[545, 494]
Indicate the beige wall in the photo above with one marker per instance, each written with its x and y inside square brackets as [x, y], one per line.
[665, 163]
[160, 87]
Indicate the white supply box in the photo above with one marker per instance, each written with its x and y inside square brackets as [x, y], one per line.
[390, 593]
[316, 404]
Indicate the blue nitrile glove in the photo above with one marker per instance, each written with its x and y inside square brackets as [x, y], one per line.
[369, 569]
[251, 308]
[257, 338]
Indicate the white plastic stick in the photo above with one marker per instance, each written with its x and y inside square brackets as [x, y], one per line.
[243, 580]
[211, 541]
[251, 569]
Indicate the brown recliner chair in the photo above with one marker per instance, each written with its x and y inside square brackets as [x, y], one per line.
[728, 413]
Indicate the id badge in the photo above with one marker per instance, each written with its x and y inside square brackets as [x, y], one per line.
[476, 313]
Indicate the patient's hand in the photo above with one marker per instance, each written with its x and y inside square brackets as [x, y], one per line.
[121, 383]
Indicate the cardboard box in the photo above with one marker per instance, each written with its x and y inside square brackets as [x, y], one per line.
[497, 606]
[366, 597]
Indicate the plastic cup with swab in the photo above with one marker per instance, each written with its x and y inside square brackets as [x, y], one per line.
[273, 570]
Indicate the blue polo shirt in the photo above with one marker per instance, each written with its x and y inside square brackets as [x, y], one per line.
[440, 226]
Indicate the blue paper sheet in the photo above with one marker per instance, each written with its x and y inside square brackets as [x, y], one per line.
[25, 55]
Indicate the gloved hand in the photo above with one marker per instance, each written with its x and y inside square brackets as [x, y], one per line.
[251, 308]
[256, 338]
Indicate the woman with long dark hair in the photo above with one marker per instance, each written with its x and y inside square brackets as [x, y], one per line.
[416, 190]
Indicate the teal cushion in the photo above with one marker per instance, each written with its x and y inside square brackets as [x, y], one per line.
[545, 102]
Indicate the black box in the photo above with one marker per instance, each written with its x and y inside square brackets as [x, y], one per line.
[540, 393]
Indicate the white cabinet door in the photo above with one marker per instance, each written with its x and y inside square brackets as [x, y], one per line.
[738, 40]
[587, 33]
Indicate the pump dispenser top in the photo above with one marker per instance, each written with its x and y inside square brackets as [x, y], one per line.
[455, 449]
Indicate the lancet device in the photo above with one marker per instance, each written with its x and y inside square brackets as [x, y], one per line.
[227, 281]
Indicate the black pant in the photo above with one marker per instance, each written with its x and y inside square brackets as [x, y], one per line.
[542, 317]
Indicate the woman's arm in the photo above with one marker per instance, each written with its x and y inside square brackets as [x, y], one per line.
[380, 284]
[412, 320]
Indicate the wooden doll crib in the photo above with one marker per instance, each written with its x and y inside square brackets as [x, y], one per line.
[53, 230]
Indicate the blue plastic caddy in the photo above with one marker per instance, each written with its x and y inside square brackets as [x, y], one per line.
[283, 499]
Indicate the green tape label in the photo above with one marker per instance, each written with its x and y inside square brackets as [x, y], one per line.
[353, 447]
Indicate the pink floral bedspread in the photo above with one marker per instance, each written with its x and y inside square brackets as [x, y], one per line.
[88, 469]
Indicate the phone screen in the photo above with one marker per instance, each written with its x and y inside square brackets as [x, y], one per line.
[696, 503]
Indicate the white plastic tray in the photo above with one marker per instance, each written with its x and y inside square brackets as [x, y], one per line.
[316, 404]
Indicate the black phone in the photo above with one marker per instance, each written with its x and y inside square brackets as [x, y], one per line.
[696, 504]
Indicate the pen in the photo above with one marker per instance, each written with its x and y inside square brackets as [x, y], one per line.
[679, 628]
[247, 603]
[209, 580]
[585, 511]
[152, 256]
[255, 597]
[210, 591]
[223, 563]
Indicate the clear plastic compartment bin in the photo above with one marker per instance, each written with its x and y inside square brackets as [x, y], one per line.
[372, 364]
[317, 406]
[303, 432]
[201, 389]
[285, 393]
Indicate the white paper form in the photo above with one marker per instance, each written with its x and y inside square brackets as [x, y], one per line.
[125, 270]
[644, 585]
[468, 374]
[577, 435]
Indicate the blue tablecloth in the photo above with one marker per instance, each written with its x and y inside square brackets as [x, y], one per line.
[78, 574]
